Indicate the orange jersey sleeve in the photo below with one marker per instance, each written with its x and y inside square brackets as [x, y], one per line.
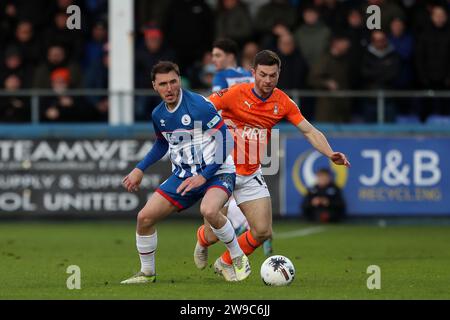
[293, 113]
[219, 99]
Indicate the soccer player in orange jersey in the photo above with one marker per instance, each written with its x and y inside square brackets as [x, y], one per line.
[251, 110]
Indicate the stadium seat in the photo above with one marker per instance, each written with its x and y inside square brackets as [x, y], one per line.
[407, 119]
[438, 120]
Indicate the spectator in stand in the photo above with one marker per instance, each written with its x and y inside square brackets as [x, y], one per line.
[202, 73]
[389, 11]
[420, 15]
[150, 53]
[151, 10]
[56, 58]
[379, 70]
[9, 20]
[94, 48]
[403, 43]
[324, 202]
[61, 5]
[190, 30]
[27, 43]
[356, 28]
[233, 21]
[249, 52]
[97, 10]
[381, 64]
[433, 52]
[294, 69]
[359, 37]
[12, 11]
[96, 77]
[71, 40]
[14, 108]
[270, 40]
[332, 12]
[272, 13]
[13, 65]
[433, 61]
[331, 73]
[62, 107]
[312, 37]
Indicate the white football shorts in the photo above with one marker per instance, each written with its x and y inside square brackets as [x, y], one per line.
[250, 187]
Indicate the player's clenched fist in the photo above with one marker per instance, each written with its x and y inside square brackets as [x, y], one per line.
[132, 181]
[340, 159]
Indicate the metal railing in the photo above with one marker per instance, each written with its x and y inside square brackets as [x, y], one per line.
[36, 96]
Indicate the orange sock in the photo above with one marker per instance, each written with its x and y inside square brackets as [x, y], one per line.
[201, 236]
[247, 243]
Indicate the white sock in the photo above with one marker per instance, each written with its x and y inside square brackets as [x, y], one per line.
[146, 246]
[227, 235]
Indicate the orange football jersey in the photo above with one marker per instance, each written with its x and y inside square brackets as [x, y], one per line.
[250, 119]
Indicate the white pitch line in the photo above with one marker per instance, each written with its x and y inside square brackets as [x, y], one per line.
[299, 233]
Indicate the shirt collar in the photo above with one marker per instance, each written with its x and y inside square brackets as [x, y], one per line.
[259, 97]
[178, 104]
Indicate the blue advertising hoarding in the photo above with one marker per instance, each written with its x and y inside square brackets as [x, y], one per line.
[388, 176]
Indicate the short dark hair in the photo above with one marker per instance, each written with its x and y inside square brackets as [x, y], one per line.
[266, 58]
[164, 67]
[227, 45]
[325, 171]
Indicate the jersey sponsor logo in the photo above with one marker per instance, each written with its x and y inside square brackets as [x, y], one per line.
[186, 120]
[213, 122]
[253, 133]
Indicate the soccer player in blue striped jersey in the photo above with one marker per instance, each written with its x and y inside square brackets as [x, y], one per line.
[199, 144]
[224, 57]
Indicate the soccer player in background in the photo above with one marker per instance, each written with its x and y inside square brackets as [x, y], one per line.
[252, 110]
[224, 57]
[199, 145]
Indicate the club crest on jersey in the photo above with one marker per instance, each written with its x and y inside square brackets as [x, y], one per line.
[162, 122]
[227, 180]
[221, 92]
[275, 109]
[186, 120]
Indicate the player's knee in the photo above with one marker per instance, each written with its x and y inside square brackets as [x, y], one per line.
[209, 213]
[262, 233]
[145, 220]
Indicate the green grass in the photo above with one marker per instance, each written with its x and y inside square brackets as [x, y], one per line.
[414, 262]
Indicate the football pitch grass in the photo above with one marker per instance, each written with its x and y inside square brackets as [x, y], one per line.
[331, 262]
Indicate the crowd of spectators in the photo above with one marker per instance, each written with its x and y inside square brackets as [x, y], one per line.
[323, 45]
[40, 52]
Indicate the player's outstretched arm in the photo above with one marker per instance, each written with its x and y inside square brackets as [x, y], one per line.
[132, 181]
[320, 143]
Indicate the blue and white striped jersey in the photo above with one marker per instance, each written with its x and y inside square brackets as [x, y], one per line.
[188, 130]
[229, 77]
